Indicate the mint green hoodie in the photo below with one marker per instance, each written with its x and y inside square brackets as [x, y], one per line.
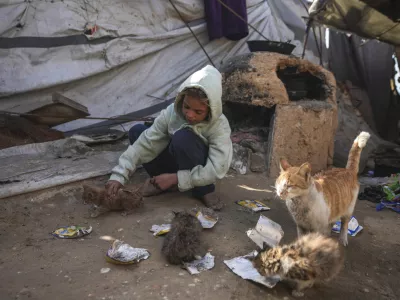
[215, 133]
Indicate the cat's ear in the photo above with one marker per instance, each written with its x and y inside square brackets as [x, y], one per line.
[175, 213]
[284, 164]
[305, 171]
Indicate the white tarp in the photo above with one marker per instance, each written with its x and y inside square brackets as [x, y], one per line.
[152, 51]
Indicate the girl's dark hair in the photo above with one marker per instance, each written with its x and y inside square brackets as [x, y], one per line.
[198, 93]
[195, 92]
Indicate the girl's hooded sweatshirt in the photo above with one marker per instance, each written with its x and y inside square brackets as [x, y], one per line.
[215, 132]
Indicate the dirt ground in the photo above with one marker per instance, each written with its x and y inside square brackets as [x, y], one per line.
[35, 265]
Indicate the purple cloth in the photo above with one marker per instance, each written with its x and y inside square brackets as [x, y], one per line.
[222, 23]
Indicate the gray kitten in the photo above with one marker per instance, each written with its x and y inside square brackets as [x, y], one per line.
[183, 241]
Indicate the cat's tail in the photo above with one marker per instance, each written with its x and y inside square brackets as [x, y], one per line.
[355, 152]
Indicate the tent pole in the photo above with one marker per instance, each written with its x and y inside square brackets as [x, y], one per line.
[187, 25]
[309, 23]
[318, 45]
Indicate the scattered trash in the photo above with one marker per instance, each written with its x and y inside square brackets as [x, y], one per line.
[387, 196]
[374, 181]
[71, 232]
[353, 228]
[240, 159]
[199, 265]
[392, 190]
[266, 231]
[395, 206]
[124, 254]
[243, 267]
[107, 238]
[372, 193]
[105, 270]
[160, 229]
[254, 205]
[207, 217]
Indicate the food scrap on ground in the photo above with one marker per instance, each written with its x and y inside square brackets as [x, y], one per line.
[71, 232]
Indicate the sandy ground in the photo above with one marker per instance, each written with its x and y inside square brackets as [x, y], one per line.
[35, 265]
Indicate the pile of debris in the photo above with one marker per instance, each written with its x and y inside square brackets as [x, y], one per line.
[29, 124]
[387, 195]
[380, 156]
[15, 131]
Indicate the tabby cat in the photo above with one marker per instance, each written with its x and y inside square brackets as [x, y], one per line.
[126, 200]
[311, 259]
[316, 202]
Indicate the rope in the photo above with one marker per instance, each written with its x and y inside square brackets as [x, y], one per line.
[187, 25]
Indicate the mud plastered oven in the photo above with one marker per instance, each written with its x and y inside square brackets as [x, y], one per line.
[280, 106]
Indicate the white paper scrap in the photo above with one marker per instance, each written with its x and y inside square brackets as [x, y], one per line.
[160, 229]
[353, 227]
[199, 265]
[243, 267]
[267, 231]
[206, 221]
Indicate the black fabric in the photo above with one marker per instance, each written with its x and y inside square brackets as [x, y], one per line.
[368, 66]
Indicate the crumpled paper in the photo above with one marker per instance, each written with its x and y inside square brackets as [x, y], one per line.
[72, 232]
[243, 267]
[206, 221]
[122, 253]
[253, 205]
[353, 228]
[160, 229]
[199, 265]
[266, 231]
[208, 218]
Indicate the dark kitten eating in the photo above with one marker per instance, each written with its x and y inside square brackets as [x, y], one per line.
[183, 242]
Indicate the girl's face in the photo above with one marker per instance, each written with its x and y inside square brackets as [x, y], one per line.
[194, 109]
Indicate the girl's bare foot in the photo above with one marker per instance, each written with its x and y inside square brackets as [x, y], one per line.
[150, 189]
[212, 201]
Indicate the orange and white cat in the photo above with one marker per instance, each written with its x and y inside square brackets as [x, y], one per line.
[316, 202]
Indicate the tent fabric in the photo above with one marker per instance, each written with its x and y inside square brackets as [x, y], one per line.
[149, 51]
[357, 17]
[350, 59]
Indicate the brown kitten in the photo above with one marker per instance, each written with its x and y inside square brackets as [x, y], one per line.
[183, 242]
[316, 202]
[126, 200]
[311, 259]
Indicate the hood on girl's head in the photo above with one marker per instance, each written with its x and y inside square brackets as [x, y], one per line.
[209, 80]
